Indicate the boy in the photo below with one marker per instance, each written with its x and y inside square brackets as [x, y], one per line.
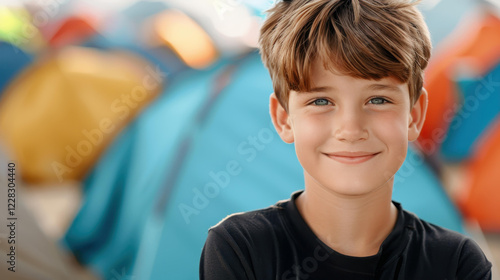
[348, 77]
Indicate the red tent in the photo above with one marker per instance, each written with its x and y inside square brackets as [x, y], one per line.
[72, 30]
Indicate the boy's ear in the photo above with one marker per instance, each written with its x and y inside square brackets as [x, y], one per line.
[280, 119]
[417, 116]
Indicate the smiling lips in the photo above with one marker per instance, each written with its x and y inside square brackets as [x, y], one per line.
[352, 157]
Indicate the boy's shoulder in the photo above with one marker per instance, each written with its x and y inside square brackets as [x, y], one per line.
[438, 245]
[253, 223]
[431, 233]
[276, 218]
[420, 238]
[269, 241]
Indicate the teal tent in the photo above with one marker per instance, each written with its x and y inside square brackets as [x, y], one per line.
[480, 99]
[13, 61]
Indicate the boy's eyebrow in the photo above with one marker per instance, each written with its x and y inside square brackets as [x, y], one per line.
[373, 87]
[378, 86]
[321, 89]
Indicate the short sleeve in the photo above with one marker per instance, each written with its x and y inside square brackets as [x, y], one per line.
[473, 264]
[222, 259]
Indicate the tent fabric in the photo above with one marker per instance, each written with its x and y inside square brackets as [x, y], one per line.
[162, 57]
[18, 29]
[159, 55]
[71, 31]
[480, 99]
[479, 198]
[142, 11]
[122, 187]
[475, 46]
[235, 162]
[72, 104]
[14, 60]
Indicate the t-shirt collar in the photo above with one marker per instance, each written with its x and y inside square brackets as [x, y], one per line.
[391, 247]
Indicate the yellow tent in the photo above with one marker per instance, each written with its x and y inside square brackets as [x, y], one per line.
[62, 112]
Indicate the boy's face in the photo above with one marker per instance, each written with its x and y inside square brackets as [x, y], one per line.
[351, 135]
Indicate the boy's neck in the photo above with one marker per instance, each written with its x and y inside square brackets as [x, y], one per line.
[351, 225]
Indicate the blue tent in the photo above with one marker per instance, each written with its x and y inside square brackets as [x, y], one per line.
[120, 191]
[200, 153]
[479, 108]
[13, 61]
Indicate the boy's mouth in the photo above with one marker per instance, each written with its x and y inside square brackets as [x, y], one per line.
[352, 157]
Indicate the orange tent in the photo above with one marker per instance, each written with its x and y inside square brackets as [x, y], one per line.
[479, 199]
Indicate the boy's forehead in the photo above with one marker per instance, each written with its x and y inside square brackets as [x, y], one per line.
[330, 78]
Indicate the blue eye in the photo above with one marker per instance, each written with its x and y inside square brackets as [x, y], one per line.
[378, 100]
[321, 102]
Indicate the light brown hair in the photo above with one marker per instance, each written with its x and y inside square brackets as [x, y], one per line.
[369, 39]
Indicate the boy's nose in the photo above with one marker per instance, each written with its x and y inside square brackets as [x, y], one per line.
[350, 127]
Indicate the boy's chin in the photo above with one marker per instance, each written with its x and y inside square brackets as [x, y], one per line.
[356, 189]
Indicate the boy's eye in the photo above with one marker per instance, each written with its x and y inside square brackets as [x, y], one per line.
[321, 102]
[378, 100]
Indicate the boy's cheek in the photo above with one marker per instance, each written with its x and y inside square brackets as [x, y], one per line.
[310, 132]
[392, 124]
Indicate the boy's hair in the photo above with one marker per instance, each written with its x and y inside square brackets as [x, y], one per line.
[369, 39]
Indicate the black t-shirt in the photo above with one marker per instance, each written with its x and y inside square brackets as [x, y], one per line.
[276, 243]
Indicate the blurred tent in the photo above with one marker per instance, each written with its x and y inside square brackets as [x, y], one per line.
[14, 60]
[479, 199]
[474, 46]
[72, 30]
[205, 149]
[232, 25]
[126, 28]
[121, 190]
[444, 16]
[196, 50]
[143, 10]
[18, 39]
[17, 29]
[123, 33]
[62, 112]
[480, 106]
[107, 68]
